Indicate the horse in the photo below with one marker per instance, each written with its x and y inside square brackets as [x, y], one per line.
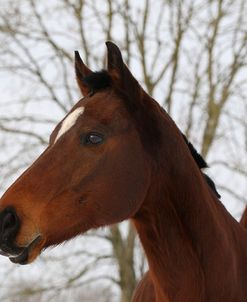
[243, 219]
[118, 155]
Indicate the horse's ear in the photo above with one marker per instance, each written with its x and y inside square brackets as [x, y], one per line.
[116, 67]
[81, 71]
[115, 64]
[122, 77]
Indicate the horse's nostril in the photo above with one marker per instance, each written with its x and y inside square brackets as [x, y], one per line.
[9, 221]
[9, 224]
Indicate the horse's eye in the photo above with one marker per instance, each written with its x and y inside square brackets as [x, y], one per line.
[94, 139]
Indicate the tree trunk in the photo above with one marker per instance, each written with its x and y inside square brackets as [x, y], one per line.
[123, 250]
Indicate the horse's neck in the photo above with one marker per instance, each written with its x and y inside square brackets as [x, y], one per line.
[179, 227]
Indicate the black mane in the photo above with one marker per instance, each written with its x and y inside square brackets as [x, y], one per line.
[201, 163]
[197, 157]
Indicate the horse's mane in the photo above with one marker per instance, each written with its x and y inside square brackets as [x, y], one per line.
[100, 80]
[201, 163]
[197, 157]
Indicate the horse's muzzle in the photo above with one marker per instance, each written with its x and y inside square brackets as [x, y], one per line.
[9, 227]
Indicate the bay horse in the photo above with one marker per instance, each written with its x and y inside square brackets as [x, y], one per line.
[243, 219]
[118, 155]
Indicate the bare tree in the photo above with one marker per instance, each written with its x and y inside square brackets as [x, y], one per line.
[190, 55]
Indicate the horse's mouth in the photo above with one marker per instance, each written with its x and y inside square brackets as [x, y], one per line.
[24, 256]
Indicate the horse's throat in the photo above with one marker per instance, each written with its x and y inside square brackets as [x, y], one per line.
[174, 266]
[172, 228]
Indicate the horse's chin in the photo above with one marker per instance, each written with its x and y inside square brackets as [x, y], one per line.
[29, 252]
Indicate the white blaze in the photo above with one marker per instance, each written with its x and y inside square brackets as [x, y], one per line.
[69, 122]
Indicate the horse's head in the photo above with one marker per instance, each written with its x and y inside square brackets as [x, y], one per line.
[95, 171]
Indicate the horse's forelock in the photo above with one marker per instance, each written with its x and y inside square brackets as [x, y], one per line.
[97, 81]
